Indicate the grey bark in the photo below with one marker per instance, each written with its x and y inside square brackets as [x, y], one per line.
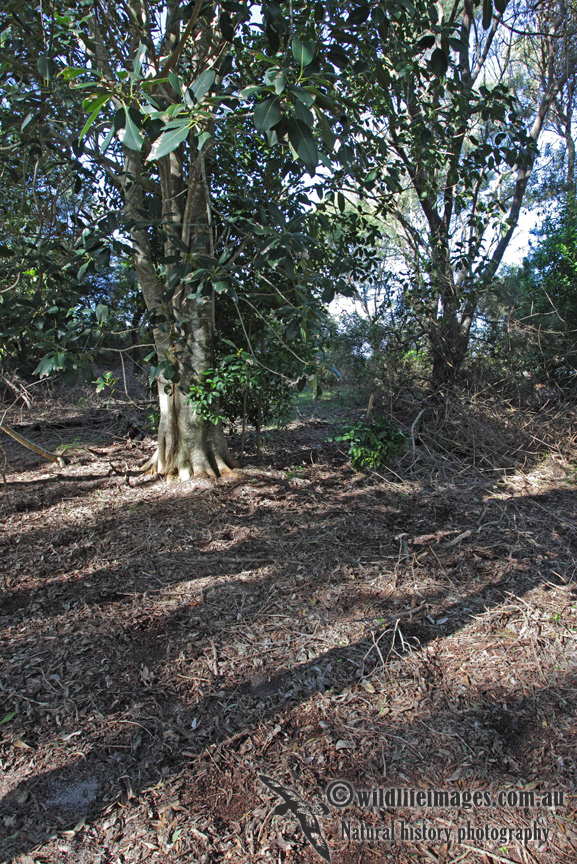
[188, 445]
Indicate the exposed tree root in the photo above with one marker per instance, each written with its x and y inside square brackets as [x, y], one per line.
[203, 455]
[188, 445]
[204, 465]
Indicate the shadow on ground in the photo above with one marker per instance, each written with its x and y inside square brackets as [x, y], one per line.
[162, 645]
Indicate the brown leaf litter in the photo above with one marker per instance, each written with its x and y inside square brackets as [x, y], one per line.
[165, 643]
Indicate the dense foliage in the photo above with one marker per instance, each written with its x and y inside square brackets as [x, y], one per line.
[543, 298]
[206, 178]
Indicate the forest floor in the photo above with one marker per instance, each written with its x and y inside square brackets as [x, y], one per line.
[163, 644]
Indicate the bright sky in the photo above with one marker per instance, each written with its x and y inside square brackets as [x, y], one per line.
[519, 246]
[517, 250]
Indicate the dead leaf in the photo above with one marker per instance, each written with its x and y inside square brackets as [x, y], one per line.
[455, 775]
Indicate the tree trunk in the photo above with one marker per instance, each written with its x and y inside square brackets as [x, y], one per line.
[449, 326]
[449, 345]
[188, 444]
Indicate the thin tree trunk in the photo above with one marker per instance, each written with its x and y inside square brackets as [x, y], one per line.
[258, 426]
[448, 330]
[243, 433]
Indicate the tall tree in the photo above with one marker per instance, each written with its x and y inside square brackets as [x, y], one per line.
[445, 123]
[139, 93]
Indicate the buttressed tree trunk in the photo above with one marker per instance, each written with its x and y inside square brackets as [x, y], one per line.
[188, 444]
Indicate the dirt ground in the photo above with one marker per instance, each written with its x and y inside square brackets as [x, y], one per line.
[163, 644]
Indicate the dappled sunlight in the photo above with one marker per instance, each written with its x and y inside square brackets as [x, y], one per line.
[419, 630]
[553, 469]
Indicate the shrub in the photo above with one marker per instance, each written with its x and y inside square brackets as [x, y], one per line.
[240, 385]
[371, 442]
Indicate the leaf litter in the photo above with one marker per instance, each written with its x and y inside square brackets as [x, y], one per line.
[164, 643]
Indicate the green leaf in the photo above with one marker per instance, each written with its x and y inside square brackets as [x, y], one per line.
[46, 67]
[131, 136]
[304, 115]
[105, 144]
[249, 91]
[267, 114]
[175, 82]
[169, 141]
[457, 44]
[101, 313]
[203, 138]
[280, 83]
[29, 117]
[338, 56]
[82, 270]
[303, 52]
[71, 72]
[98, 104]
[327, 134]
[383, 76]
[487, 14]
[425, 43]
[302, 95]
[271, 74]
[439, 62]
[138, 58]
[328, 294]
[45, 367]
[8, 717]
[226, 27]
[303, 142]
[94, 101]
[501, 5]
[203, 83]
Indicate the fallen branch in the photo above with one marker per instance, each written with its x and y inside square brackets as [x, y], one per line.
[18, 389]
[47, 454]
[415, 426]
[370, 407]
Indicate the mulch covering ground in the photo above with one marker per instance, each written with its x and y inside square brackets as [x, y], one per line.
[164, 643]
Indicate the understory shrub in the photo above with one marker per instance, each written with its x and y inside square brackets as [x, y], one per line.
[371, 442]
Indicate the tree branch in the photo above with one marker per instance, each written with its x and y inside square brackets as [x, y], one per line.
[173, 59]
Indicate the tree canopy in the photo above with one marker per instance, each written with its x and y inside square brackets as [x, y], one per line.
[249, 160]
